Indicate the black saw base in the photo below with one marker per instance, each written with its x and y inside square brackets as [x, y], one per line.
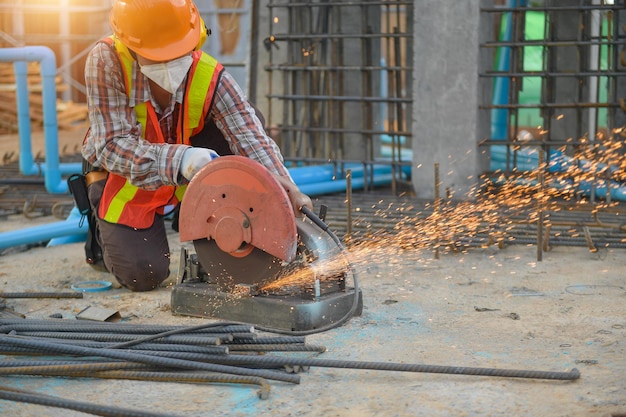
[289, 313]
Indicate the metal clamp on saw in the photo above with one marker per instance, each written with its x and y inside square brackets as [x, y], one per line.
[255, 262]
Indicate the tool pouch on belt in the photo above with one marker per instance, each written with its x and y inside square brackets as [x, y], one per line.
[78, 188]
[78, 185]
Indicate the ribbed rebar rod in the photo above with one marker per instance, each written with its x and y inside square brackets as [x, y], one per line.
[204, 327]
[12, 394]
[12, 350]
[188, 377]
[41, 295]
[46, 362]
[212, 350]
[290, 347]
[135, 371]
[112, 337]
[244, 336]
[202, 357]
[227, 335]
[271, 340]
[67, 369]
[399, 367]
[143, 358]
[204, 350]
[77, 325]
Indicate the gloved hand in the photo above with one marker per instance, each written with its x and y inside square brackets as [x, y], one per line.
[194, 159]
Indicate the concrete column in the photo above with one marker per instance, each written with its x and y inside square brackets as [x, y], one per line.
[446, 124]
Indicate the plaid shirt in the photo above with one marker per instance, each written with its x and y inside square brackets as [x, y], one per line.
[114, 140]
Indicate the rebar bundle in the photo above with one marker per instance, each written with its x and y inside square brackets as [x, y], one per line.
[224, 353]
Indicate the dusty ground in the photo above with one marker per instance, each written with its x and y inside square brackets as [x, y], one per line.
[490, 307]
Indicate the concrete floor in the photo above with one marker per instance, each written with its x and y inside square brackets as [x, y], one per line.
[487, 308]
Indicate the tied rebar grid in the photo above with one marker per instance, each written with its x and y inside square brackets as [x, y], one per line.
[380, 216]
[27, 195]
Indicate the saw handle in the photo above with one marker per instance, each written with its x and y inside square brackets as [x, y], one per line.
[309, 213]
[313, 217]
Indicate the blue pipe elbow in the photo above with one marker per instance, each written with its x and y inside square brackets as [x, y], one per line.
[20, 56]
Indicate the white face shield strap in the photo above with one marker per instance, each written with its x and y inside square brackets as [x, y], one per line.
[168, 75]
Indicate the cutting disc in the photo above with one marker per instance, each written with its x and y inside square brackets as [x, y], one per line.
[241, 221]
[256, 268]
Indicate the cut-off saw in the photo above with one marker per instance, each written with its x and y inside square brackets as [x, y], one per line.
[255, 261]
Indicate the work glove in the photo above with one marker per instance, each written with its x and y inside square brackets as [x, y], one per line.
[194, 159]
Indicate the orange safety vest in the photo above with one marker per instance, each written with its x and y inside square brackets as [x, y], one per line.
[127, 204]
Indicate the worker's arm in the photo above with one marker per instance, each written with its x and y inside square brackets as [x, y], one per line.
[298, 198]
[246, 135]
[114, 141]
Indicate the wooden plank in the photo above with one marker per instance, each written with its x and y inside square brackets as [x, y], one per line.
[70, 116]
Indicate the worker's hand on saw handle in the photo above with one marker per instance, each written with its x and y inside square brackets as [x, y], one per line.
[194, 159]
[298, 198]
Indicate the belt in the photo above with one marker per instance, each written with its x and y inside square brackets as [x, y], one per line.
[95, 176]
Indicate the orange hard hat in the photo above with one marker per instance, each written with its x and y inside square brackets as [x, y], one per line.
[159, 30]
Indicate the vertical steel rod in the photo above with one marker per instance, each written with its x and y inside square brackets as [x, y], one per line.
[436, 208]
[540, 195]
[348, 206]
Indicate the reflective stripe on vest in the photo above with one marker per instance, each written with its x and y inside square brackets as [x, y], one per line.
[126, 193]
[126, 60]
[180, 191]
[123, 202]
[200, 88]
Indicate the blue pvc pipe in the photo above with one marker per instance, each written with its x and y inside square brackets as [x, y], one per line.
[329, 172]
[81, 229]
[329, 187]
[20, 69]
[69, 227]
[314, 173]
[319, 179]
[52, 169]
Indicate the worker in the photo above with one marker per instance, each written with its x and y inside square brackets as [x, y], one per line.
[160, 109]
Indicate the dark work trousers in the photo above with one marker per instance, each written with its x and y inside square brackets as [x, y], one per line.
[140, 258]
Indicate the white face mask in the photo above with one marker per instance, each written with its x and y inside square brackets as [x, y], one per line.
[168, 75]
